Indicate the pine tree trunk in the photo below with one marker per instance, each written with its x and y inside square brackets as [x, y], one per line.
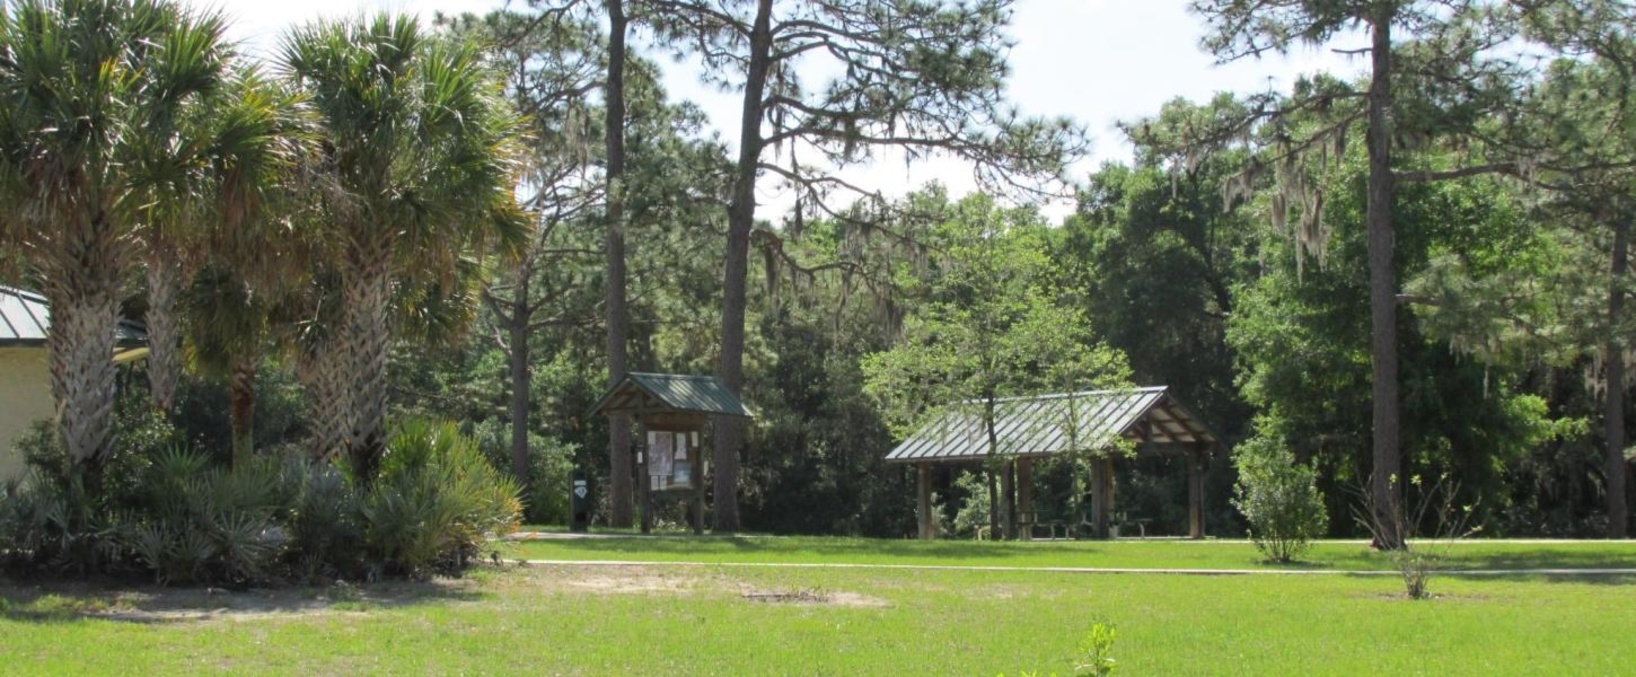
[1613, 417]
[164, 278]
[740, 218]
[242, 398]
[619, 431]
[368, 299]
[81, 286]
[1386, 484]
[522, 379]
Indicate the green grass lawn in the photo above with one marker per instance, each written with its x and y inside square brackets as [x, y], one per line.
[1470, 554]
[658, 619]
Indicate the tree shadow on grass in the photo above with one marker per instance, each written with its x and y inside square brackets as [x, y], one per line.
[824, 549]
[1293, 565]
[1614, 580]
[1577, 557]
[70, 602]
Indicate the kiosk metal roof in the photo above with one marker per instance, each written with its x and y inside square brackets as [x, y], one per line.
[642, 392]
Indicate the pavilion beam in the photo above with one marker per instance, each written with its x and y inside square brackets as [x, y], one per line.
[1195, 492]
[923, 489]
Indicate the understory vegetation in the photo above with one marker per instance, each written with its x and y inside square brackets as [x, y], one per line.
[1279, 498]
[173, 513]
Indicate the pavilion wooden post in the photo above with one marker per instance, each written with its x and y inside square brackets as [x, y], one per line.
[923, 489]
[644, 481]
[1101, 500]
[1196, 460]
[698, 493]
[1025, 498]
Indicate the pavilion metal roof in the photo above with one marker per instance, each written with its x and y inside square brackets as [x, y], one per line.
[1039, 426]
[642, 392]
[25, 320]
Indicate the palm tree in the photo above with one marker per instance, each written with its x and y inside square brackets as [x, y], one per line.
[226, 339]
[174, 178]
[254, 246]
[81, 82]
[419, 150]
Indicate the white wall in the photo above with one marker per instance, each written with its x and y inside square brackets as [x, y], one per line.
[25, 397]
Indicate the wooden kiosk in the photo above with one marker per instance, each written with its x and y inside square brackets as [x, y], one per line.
[670, 416]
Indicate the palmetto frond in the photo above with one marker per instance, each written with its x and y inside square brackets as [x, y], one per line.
[262, 142]
[418, 133]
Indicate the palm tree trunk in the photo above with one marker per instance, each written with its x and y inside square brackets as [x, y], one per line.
[619, 430]
[368, 298]
[322, 370]
[242, 407]
[81, 287]
[740, 218]
[1386, 485]
[1613, 418]
[164, 278]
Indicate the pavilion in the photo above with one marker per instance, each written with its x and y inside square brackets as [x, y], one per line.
[1150, 420]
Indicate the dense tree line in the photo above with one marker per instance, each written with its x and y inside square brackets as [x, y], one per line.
[1416, 273]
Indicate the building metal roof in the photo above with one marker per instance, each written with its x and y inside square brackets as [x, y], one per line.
[643, 393]
[25, 320]
[1040, 425]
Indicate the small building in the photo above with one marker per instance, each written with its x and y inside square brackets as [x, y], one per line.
[25, 376]
[671, 414]
[1148, 420]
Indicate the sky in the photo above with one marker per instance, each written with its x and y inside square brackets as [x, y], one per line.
[1099, 61]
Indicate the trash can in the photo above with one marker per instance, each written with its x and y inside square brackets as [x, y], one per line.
[579, 502]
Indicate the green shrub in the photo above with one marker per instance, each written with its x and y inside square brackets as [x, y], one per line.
[182, 516]
[436, 501]
[973, 515]
[201, 523]
[51, 520]
[1279, 497]
[326, 526]
[1096, 651]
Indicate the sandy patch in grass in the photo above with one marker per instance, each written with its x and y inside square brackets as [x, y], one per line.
[641, 583]
[814, 597]
[662, 580]
[600, 580]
